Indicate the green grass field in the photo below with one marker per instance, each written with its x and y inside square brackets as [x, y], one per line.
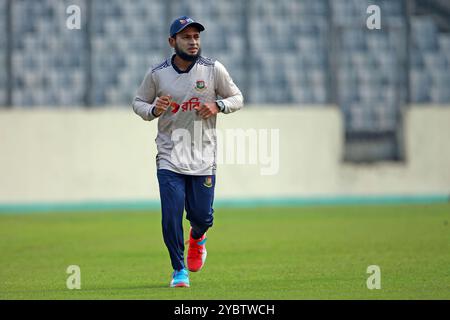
[285, 253]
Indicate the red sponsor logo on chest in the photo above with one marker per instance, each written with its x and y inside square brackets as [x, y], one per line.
[185, 106]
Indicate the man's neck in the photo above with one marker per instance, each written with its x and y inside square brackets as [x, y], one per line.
[181, 64]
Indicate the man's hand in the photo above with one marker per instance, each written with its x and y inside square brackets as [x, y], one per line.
[207, 110]
[162, 104]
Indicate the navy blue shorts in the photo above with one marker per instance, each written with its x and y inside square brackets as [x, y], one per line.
[180, 192]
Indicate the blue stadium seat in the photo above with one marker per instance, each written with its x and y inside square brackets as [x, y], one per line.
[3, 54]
[439, 93]
[419, 86]
[286, 60]
[424, 34]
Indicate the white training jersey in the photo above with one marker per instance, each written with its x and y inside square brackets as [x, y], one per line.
[187, 143]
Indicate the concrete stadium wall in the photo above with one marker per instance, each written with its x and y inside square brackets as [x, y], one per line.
[75, 155]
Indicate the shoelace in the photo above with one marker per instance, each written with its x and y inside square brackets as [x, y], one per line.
[199, 247]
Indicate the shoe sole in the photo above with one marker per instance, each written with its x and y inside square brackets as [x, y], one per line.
[180, 285]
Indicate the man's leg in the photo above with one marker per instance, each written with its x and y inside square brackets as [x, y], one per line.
[199, 203]
[199, 209]
[172, 192]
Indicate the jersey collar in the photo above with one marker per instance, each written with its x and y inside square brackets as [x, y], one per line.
[181, 71]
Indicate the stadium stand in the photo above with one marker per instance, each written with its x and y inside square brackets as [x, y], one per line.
[3, 54]
[47, 58]
[430, 62]
[127, 38]
[302, 52]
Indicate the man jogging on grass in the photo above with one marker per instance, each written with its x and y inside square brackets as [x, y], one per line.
[186, 92]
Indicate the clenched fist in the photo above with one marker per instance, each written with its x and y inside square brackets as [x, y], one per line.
[207, 110]
[162, 104]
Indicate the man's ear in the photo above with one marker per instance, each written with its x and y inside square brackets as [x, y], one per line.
[172, 42]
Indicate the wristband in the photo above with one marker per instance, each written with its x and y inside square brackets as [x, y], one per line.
[153, 113]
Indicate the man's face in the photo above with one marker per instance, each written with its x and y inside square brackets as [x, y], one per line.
[187, 43]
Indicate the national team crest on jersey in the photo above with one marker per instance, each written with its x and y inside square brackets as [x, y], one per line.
[208, 182]
[200, 85]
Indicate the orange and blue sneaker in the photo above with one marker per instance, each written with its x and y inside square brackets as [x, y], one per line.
[196, 253]
[180, 278]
